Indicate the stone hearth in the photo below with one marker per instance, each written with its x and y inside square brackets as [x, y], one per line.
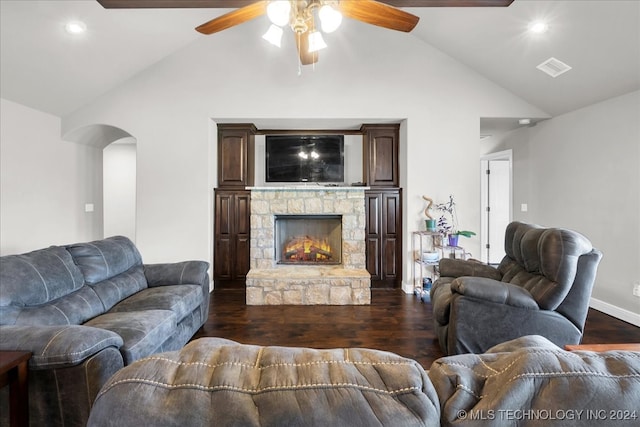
[271, 284]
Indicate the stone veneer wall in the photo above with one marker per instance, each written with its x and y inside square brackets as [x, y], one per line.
[269, 283]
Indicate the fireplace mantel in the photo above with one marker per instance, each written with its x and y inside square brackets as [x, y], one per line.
[310, 187]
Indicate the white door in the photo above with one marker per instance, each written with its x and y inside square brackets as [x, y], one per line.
[496, 204]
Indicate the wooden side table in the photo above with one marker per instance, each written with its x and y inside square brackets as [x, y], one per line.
[603, 347]
[13, 371]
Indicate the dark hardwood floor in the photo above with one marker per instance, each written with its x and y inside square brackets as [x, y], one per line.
[394, 322]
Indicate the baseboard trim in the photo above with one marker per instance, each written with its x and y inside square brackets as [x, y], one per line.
[617, 312]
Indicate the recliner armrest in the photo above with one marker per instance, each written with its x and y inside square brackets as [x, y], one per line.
[459, 268]
[57, 346]
[186, 272]
[494, 291]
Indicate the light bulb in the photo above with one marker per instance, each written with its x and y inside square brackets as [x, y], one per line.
[273, 35]
[316, 42]
[330, 19]
[278, 12]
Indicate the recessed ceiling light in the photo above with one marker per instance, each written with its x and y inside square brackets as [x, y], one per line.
[524, 121]
[538, 27]
[75, 27]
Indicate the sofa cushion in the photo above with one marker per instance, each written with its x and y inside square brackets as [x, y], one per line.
[441, 301]
[72, 309]
[57, 346]
[115, 289]
[180, 299]
[546, 261]
[530, 377]
[142, 331]
[37, 277]
[106, 258]
[214, 381]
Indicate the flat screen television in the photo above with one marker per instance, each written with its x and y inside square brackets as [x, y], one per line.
[304, 158]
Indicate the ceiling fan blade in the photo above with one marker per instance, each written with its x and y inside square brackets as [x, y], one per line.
[302, 42]
[379, 14]
[228, 4]
[236, 17]
[448, 3]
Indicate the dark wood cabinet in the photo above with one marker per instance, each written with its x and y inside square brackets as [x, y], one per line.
[380, 155]
[384, 237]
[236, 155]
[231, 238]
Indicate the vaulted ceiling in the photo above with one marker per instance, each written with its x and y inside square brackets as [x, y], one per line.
[43, 67]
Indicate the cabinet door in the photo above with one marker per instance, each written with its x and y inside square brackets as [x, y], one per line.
[373, 215]
[383, 211]
[391, 235]
[380, 154]
[232, 238]
[242, 235]
[223, 236]
[235, 155]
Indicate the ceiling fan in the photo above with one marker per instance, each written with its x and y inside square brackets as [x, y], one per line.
[302, 16]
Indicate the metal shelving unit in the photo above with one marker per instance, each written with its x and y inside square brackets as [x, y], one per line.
[430, 241]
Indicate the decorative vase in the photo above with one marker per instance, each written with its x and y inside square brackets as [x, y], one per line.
[453, 240]
[431, 224]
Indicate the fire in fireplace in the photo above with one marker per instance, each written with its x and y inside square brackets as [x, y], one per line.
[308, 239]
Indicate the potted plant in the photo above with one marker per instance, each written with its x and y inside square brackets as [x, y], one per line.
[447, 223]
[453, 237]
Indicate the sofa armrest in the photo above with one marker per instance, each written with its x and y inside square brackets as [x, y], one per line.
[186, 272]
[57, 346]
[458, 268]
[494, 291]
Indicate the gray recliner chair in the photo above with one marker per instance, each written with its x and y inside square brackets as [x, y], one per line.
[541, 287]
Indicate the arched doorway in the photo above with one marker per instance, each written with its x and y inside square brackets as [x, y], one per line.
[119, 155]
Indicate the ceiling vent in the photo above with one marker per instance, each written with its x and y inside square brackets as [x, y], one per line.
[553, 67]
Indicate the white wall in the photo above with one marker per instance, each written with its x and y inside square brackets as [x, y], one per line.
[585, 168]
[45, 183]
[119, 188]
[581, 170]
[371, 75]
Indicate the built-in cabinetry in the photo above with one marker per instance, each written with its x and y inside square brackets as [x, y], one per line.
[383, 204]
[384, 237]
[236, 155]
[380, 155]
[233, 205]
[231, 238]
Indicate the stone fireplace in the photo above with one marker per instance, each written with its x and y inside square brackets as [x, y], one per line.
[308, 246]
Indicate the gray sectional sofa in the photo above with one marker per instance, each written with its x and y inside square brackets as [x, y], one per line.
[525, 382]
[87, 310]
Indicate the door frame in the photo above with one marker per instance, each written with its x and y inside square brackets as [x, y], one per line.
[505, 155]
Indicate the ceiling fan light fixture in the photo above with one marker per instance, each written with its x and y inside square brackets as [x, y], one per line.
[273, 35]
[279, 12]
[316, 42]
[330, 19]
